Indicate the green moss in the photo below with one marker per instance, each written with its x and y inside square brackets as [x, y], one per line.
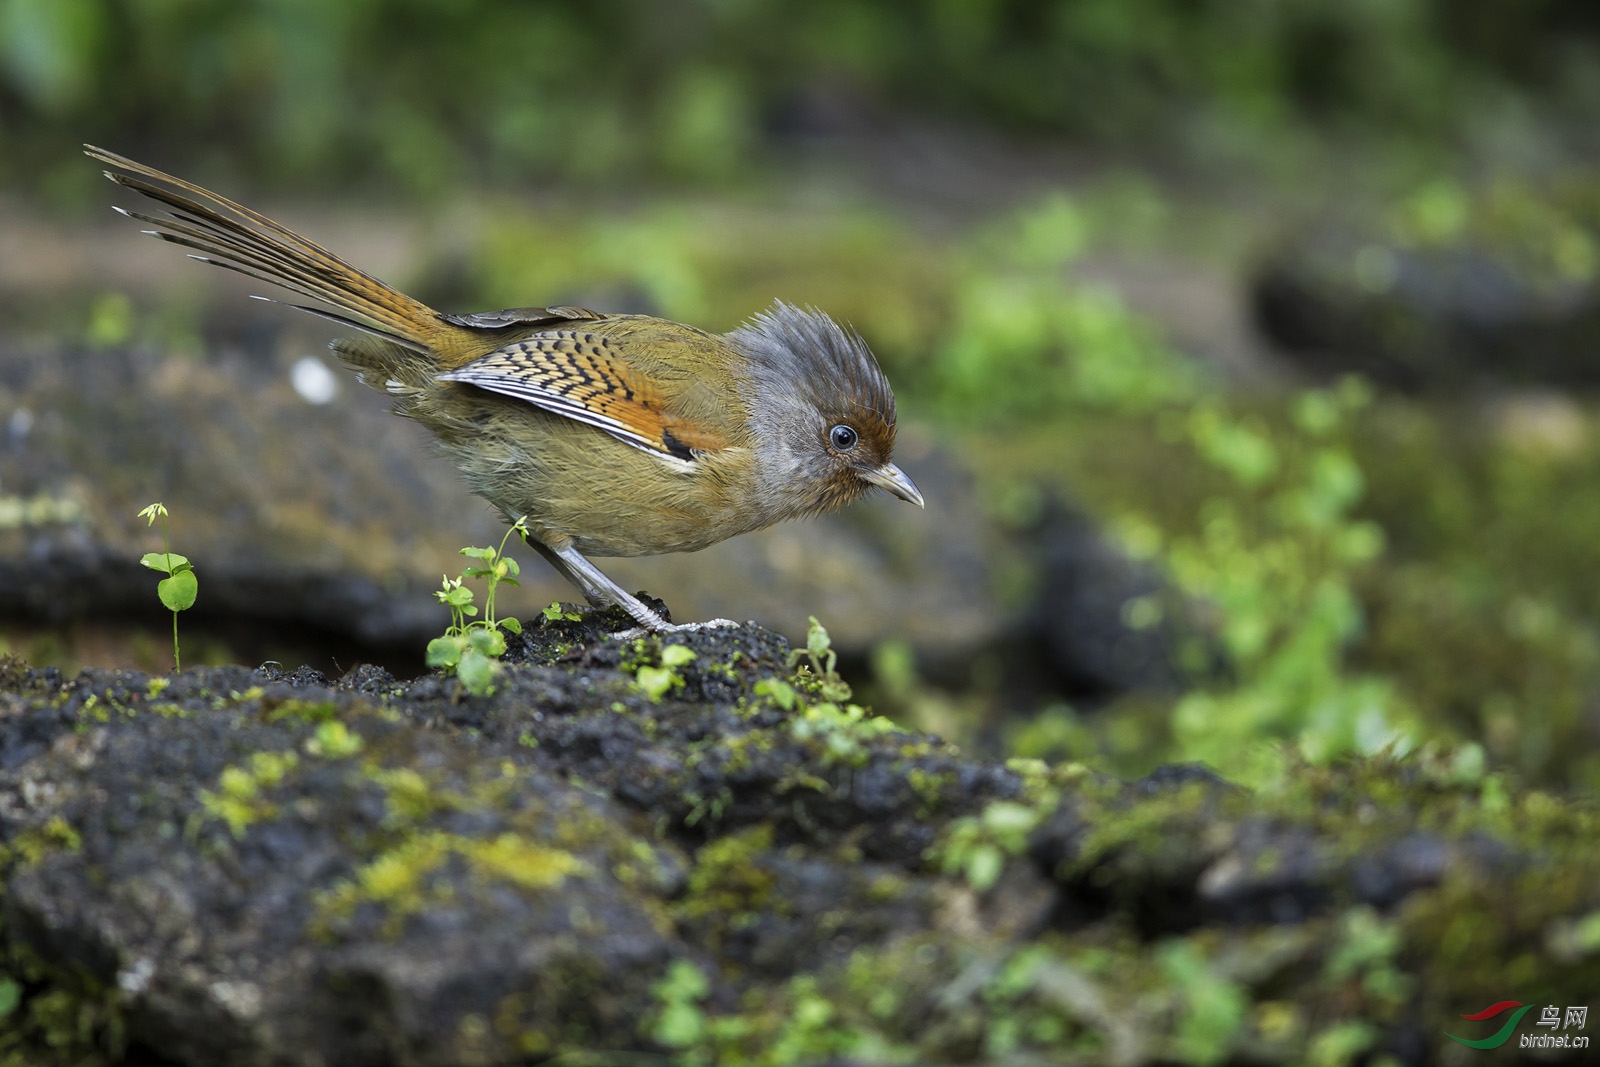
[409, 796]
[512, 859]
[978, 846]
[728, 882]
[840, 733]
[56, 1015]
[239, 799]
[401, 879]
[30, 846]
[334, 740]
[930, 786]
[297, 710]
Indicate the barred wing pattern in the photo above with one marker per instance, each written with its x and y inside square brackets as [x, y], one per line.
[580, 375]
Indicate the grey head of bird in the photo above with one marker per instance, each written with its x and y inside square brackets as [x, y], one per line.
[823, 416]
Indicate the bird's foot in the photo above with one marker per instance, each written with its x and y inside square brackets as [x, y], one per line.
[676, 628]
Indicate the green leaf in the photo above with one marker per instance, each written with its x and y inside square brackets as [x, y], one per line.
[983, 866]
[553, 612]
[656, 681]
[478, 553]
[458, 597]
[487, 641]
[178, 592]
[512, 569]
[10, 996]
[476, 672]
[165, 562]
[817, 642]
[446, 651]
[1009, 817]
[679, 1025]
[676, 656]
[778, 691]
[511, 623]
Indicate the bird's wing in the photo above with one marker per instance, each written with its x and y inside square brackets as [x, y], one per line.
[585, 377]
[518, 317]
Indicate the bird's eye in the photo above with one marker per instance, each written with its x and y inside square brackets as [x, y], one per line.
[842, 437]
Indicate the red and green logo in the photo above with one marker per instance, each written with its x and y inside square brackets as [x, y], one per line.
[1504, 1033]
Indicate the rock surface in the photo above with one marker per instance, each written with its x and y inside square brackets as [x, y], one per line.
[254, 867]
[1446, 318]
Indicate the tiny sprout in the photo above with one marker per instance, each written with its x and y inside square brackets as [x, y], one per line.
[472, 650]
[556, 613]
[180, 586]
[824, 663]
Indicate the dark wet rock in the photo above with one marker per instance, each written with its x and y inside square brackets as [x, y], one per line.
[268, 867]
[333, 521]
[1092, 640]
[1425, 318]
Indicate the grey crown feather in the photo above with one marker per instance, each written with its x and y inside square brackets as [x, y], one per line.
[804, 354]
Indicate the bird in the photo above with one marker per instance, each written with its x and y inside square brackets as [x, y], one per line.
[605, 434]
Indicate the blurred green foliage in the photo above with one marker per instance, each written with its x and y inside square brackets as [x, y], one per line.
[1362, 565]
[1377, 572]
[427, 92]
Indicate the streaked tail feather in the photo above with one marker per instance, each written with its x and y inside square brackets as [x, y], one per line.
[232, 236]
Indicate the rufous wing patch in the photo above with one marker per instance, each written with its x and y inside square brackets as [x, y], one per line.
[580, 375]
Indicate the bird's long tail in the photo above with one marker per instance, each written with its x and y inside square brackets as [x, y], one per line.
[230, 235]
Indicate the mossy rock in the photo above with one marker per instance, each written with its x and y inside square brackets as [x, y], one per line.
[239, 866]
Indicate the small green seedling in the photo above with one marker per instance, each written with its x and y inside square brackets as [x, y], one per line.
[657, 682]
[823, 672]
[556, 613]
[472, 647]
[180, 586]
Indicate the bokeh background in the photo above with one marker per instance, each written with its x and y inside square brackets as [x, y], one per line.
[1245, 349]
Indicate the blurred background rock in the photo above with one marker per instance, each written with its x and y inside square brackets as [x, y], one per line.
[1244, 350]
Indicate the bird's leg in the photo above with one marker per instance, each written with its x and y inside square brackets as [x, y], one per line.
[596, 587]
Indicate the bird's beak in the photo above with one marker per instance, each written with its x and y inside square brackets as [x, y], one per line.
[894, 479]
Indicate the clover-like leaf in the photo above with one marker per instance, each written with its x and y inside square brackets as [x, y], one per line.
[476, 672]
[446, 651]
[512, 624]
[165, 562]
[487, 641]
[178, 592]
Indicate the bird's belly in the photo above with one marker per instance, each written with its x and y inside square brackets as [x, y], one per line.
[610, 498]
